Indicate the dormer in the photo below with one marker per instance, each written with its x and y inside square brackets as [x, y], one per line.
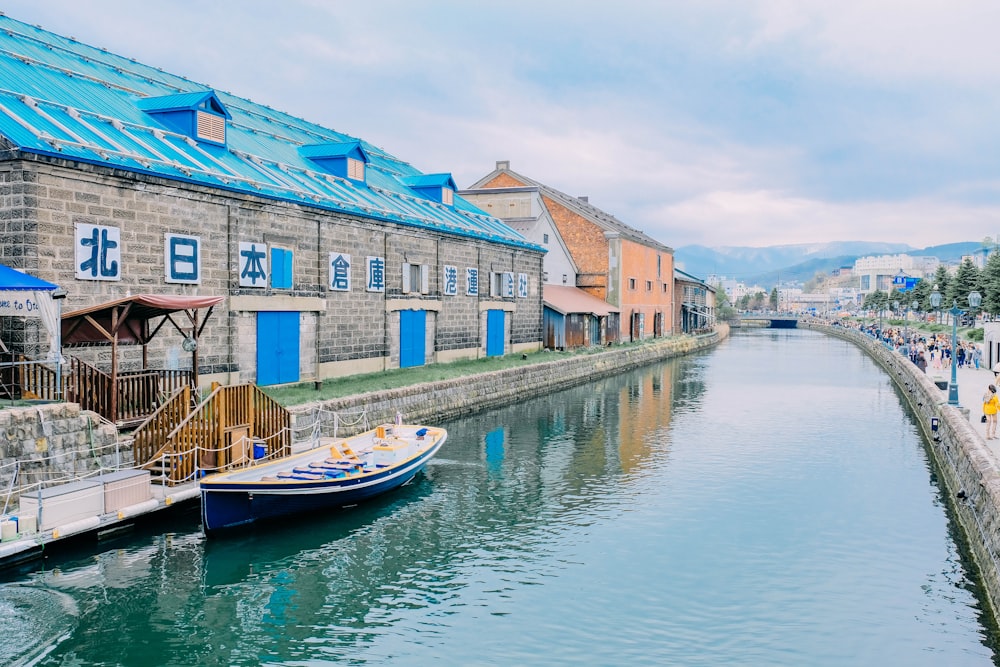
[199, 115]
[436, 187]
[347, 159]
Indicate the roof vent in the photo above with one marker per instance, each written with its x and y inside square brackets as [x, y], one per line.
[199, 115]
[436, 187]
[347, 159]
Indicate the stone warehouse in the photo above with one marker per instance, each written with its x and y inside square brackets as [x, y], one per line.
[332, 256]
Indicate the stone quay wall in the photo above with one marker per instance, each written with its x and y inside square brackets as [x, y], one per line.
[54, 441]
[438, 401]
[966, 466]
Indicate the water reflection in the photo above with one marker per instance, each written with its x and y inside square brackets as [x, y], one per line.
[627, 500]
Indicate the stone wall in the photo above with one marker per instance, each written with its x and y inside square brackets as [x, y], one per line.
[341, 332]
[967, 468]
[54, 441]
[440, 401]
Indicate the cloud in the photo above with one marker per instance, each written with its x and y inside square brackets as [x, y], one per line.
[896, 42]
[761, 218]
[766, 120]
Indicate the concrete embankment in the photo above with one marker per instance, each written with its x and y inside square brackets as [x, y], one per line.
[969, 470]
[439, 401]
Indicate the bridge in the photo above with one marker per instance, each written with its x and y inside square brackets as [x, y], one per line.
[775, 321]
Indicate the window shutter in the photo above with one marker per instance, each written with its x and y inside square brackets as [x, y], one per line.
[211, 127]
[281, 268]
[406, 278]
[493, 283]
[425, 278]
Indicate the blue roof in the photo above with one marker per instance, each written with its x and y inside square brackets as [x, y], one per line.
[65, 99]
[182, 101]
[14, 280]
[430, 181]
[343, 149]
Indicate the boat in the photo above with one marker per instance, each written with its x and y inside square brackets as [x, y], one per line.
[337, 473]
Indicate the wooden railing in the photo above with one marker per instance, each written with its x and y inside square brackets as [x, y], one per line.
[223, 432]
[40, 380]
[149, 437]
[137, 393]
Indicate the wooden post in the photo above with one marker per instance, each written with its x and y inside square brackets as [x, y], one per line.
[114, 379]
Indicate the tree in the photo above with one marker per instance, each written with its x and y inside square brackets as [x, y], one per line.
[990, 284]
[723, 309]
[941, 279]
[967, 279]
[876, 300]
[921, 293]
[773, 301]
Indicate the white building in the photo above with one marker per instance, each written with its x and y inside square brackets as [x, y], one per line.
[876, 273]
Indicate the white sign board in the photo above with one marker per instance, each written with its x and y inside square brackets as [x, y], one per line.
[18, 304]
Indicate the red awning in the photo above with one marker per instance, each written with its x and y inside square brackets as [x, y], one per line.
[567, 300]
[128, 319]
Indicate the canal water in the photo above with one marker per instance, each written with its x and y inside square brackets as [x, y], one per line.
[767, 502]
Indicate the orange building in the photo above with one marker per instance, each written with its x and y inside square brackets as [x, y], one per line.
[614, 262]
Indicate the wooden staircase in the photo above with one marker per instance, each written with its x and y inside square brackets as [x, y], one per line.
[234, 425]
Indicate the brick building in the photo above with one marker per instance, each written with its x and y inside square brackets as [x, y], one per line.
[613, 262]
[333, 256]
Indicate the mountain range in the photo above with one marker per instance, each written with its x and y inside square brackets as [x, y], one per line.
[767, 266]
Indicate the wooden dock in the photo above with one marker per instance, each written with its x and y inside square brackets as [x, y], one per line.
[38, 532]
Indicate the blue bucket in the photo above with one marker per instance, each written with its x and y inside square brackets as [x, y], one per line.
[259, 450]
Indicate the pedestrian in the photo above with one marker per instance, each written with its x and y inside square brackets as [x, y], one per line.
[991, 404]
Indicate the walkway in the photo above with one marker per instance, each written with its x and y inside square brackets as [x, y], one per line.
[971, 385]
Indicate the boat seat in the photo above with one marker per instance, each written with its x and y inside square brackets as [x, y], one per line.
[307, 476]
[334, 463]
[323, 473]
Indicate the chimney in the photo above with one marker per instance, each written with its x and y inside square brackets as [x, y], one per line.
[503, 165]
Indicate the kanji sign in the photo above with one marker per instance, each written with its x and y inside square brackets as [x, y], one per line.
[182, 259]
[98, 252]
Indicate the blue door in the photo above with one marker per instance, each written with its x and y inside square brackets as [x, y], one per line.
[277, 348]
[412, 338]
[494, 333]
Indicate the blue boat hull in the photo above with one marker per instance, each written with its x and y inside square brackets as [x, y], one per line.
[226, 505]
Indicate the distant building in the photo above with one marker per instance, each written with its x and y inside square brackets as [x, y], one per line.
[612, 261]
[695, 306]
[876, 273]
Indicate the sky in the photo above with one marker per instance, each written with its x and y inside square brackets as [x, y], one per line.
[717, 122]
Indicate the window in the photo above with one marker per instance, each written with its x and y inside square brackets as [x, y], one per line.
[664, 288]
[416, 278]
[281, 268]
[447, 196]
[355, 169]
[545, 238]
[649, 285]
[631, 283]
[502, 284]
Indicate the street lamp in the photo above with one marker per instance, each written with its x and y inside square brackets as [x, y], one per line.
[895, 309]
[974, 300]
[915, 305]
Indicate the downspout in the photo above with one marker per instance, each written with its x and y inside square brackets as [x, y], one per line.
[320, 315]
